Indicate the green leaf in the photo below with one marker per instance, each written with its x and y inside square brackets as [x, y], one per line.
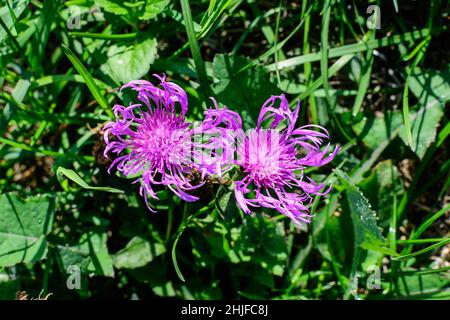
[195, 48]
[174, 257]
[432, 89]
[261, 241]
[425, 250]
[243, 91]
[18, 9]
[367, 233]
[226, 206]
[76, 255]
[153, 8]
[137, 253]
[24, 225]
[430, 86]
[62, 173]
[46, 18]
[364, 81]
[379, 188]
[350, 49]
[426, 286]
[143, 10]
[90, 82]
[115, 7]
[384, 127]
[18, 94]
[101, 262]
[129, 62]
[424, 129]
[90, 255]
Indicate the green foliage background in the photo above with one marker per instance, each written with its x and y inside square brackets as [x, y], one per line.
[381, 93]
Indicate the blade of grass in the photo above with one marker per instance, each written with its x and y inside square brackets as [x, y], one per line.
[102, 36]
[364, 81]
[89, 80]
[14, 41]
[73, 176]
[308, 68]
[420, 241]
[46, 18]
[195, 49]
[405, 111]
[207, 24]
[174, 257]
[279, 46]
[429, 221]
[50, 79]
[338, 65]
[276, 54]
[324, 50]
[419, 53]
[417, 253]
[20, 91]
[41, 151]
[251, 27]
[350, 49]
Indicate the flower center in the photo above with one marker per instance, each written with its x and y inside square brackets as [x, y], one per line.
[265, 156]
[162, 137]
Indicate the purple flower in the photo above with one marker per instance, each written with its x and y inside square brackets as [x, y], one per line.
[273, 157]
[157, 144]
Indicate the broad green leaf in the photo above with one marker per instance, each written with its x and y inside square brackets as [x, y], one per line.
[226, 206]
[430, 86]
[75, 255]
[379, 188]
[137, 253]
[261, 241]
[165, 290]
[367, 233]
[129, 62]
[156, 274]
[24, 225]
[423, 129]
[244, 91]
[432, 89]
[101, 261]
[115, 7]
[90, 255]
[143, 10]
[62, 173]
[374, 129]
[153, 8]
[426, 286]
[380, 128]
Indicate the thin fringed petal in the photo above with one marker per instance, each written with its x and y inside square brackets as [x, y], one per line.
[275, 116]
[273, 162]
[218, 133]
[167, 95]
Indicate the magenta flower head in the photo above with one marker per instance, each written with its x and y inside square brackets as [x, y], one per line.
[153, 140]
[273, 157]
